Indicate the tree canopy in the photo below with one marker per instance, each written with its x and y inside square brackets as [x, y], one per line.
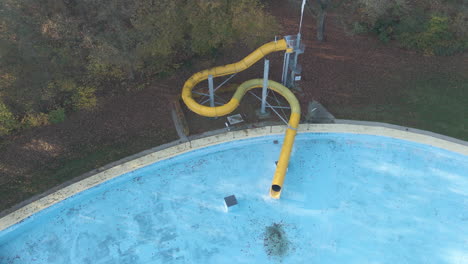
[58, 55]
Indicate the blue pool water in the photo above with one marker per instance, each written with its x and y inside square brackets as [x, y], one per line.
[346, 199]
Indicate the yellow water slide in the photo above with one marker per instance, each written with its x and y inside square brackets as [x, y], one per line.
[280, 45]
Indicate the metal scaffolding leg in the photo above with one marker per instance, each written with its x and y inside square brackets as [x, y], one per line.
[284, 77]
[265, 86]
[211, 89]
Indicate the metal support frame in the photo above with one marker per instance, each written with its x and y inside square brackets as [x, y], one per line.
[291, 68]
[265, 86]
[203, 99]
[211, 89]
[225, 81]
[219, 86]
[204, 94]
[272, 107]
[284, 76]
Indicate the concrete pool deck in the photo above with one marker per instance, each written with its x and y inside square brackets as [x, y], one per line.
[131, 163]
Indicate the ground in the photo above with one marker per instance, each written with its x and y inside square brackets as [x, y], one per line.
[355, 77]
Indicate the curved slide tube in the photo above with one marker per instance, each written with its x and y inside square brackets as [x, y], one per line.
[278, 178]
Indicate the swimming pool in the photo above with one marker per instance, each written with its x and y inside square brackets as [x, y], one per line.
[347, 198]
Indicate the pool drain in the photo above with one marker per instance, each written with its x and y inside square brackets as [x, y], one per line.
[230, 201]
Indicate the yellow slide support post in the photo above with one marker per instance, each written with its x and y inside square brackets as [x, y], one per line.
[278, 178]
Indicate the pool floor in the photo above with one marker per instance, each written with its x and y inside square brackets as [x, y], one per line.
[346, 199]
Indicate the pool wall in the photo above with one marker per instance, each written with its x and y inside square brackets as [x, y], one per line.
[172, 149]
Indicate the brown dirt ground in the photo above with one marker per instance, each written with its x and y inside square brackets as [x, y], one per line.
[344, 70]
[349, 69]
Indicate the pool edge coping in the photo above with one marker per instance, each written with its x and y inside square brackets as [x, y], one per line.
[93, 178]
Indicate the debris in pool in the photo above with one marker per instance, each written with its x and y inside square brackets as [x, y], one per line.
[275, 141]
[230, 201]
[275, 241]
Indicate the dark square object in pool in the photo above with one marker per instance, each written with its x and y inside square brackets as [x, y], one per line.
[230, 200]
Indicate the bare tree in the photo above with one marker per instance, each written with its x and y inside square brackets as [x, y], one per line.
[319, 9]
[322, 13]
